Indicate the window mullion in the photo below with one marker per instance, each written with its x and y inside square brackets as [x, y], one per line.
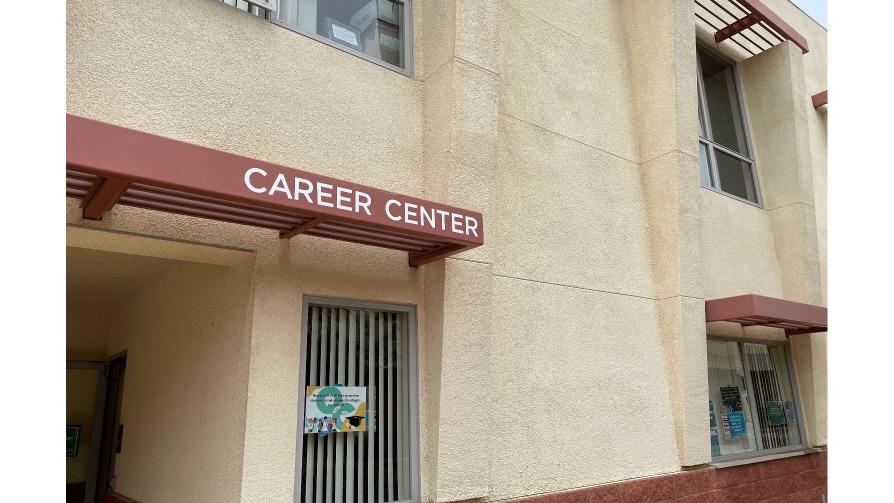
[715, 173]
[733, 153]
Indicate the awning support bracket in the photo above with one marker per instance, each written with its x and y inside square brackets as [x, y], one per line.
[301, 229]
[103, 194]
[736, 27]
[418, 259]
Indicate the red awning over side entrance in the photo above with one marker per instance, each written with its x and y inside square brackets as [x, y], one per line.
[108, 165]
[751, 310]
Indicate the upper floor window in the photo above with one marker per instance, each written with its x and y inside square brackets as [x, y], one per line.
[377, 30]
[727, 163]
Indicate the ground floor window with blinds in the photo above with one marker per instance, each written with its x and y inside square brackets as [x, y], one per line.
[751, 399]
[358, 407]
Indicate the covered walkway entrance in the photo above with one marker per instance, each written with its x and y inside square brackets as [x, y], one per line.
[157, 365]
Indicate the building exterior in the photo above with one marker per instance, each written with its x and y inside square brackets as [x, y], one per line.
[581, 255]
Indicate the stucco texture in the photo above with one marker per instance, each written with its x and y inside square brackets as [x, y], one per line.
[183, 405]
[581, 399]
[575, 333]
[86, 332]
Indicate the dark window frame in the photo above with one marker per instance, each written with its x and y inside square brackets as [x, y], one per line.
[759, 451]
[706, 139]
[406, 39]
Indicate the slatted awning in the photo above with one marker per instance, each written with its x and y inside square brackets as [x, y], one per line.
[749, 24]
[108, 164]
[752, 310]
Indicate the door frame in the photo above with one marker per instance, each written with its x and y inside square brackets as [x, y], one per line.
[106, 422]
[96, 427]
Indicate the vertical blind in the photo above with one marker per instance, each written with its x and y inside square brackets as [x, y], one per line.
[772, 389]
[725, 370]
[359, 347]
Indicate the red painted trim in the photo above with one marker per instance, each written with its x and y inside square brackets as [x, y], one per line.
[821, 98]
[736, 27]
[775, 22]
[161, 173]
[749, 310]
[310, 224]
[103, 194]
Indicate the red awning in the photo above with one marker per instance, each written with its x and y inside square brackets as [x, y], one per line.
[751, 310]
[108, 165]
[821, 98]
[749, 24]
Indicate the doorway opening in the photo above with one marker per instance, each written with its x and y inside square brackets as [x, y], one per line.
[157, 370]
[93, 427]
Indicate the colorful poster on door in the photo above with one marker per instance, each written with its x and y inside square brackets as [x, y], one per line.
[335, 409]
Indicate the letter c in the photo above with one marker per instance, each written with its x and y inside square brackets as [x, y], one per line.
[248, 184]
[388, 209]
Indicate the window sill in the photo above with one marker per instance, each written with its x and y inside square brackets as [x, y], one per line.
[760, 459]
[734, 197]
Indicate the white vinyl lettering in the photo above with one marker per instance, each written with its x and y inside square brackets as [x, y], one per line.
[362, 200]
[329, 195]
[471, 226]
[339, 198]
[388, 209]
[457, 222]
[248, 183]
[410, 213]
[424, 215]
[303, 187]
[443, 214]
[324, 194]
[280, 185]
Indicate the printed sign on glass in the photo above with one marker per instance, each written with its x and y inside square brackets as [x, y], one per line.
[733, 417]
[334, 409]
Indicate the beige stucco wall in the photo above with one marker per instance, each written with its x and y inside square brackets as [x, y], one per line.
[86, 332]
[183, 405]
[570, 126]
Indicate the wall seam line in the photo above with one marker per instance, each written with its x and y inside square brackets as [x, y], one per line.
[576, 287]
[495, 74]
[677, 150]
[469, 260]
[569, 138]
[436, 70]
[544, 21]
[791, 204]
